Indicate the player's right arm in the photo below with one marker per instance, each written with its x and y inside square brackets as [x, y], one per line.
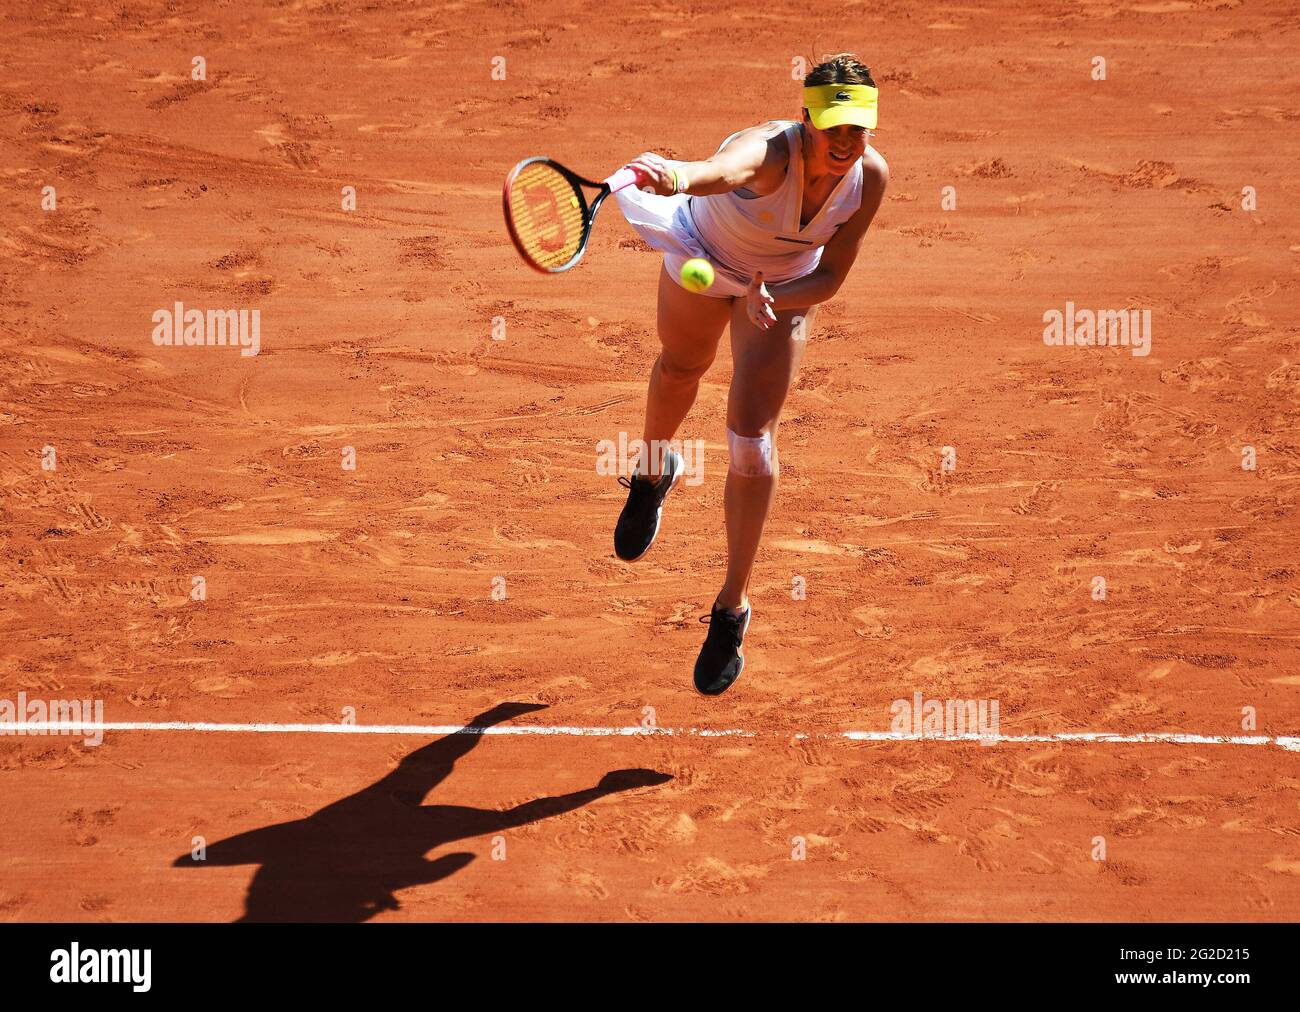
[755, 159]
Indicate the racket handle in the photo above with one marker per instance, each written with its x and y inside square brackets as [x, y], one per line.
[622, 179]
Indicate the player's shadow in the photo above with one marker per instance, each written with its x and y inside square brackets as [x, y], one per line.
[347, 861]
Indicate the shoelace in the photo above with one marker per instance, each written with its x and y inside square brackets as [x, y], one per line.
[730, 625]
[645, 484]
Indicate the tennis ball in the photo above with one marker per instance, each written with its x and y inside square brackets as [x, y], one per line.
[697, 275]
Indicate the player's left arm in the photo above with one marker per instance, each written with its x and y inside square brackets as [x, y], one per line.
[841, 252]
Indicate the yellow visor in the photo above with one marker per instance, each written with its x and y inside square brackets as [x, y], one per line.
[830, 105]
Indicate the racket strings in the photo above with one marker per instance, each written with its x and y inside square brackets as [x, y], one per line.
[548, 214]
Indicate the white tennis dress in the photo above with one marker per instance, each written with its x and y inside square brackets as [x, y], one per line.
[743, 234]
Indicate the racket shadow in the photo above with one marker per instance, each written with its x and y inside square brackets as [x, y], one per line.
[347, 861]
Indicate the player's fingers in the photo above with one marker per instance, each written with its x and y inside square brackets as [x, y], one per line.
[642, 160]
[765, 300]
[650, 174]
[654, 164]
[757, 299]
[643, 168]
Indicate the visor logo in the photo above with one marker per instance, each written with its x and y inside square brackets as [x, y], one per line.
[842, 96]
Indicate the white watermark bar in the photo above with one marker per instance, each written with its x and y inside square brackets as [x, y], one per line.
[1289, 743]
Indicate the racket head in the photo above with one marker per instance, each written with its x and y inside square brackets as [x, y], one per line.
[547, 214]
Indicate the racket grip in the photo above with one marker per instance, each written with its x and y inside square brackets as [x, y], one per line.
[622, 179]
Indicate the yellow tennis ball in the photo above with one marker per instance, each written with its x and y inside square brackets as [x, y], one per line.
[697, 274]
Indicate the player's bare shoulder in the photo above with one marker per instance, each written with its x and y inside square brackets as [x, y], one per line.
[768, 142]
[875, 171]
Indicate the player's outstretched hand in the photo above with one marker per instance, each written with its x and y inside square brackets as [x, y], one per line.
[758, 303]
[654, 174]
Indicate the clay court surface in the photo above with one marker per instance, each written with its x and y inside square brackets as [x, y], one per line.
[476, 458]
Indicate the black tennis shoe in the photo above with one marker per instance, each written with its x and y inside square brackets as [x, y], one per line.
[721, 662]
[639, 522]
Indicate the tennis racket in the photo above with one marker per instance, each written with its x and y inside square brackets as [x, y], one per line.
[547, 213]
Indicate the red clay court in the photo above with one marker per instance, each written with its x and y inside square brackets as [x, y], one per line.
[1168, 186]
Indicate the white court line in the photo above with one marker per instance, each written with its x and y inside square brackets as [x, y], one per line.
[1290, 744]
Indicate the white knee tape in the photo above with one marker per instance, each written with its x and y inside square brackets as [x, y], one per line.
[751, 456]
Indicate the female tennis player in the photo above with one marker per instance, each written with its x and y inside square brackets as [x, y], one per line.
[779, 211]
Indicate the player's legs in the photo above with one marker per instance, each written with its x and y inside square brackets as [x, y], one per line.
[690, 326]
[766, 363]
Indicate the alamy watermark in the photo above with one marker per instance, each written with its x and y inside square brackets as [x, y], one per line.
[1127, 328]
[945, 718]
[623, 456]
[181, 327]
[39, 717]
[75, 965]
